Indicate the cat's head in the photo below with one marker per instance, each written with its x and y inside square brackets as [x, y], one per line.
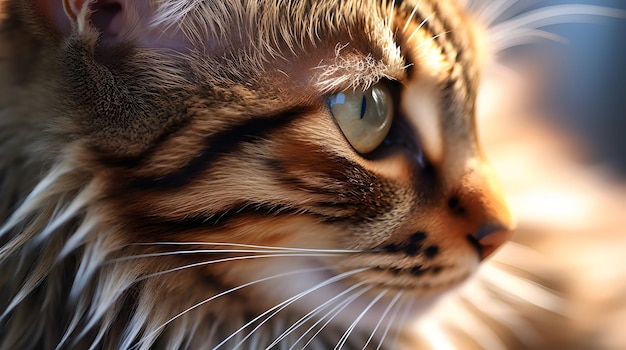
[271, 148]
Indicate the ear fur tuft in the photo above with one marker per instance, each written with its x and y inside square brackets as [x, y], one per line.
[108, 20]
[79, 12]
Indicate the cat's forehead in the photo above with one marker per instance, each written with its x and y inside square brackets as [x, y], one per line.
[269, 23]
[346, 43]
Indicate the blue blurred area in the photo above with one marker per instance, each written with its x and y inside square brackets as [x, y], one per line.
[590, 86]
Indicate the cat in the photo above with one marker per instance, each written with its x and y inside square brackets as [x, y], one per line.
[239, 174]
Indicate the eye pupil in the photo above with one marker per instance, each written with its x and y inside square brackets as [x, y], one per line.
[363, 107]
[364, 117]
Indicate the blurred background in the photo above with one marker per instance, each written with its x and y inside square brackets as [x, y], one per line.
[586, 91]
[593, 84]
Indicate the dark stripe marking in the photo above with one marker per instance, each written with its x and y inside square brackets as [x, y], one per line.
[222, 143]
[155, 226]
[444, 42]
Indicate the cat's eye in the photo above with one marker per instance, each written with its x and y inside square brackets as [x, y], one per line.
[364, 117]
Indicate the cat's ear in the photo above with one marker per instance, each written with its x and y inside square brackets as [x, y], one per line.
[107, 20]
[81, 15]
[111, 21]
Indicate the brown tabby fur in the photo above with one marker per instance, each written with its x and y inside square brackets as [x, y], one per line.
[144, 172]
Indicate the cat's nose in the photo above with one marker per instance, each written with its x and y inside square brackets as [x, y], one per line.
[488, 238]
[481, 205]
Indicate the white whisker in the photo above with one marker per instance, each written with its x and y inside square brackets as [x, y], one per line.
[299, 249]
[382, 317]
[479, 332]
[212, 251]
[432, 38]
[276, 309]
[419, 27]
[344, 338]
[491, 11]
[221, 294]
[311, 314]
[503, 314]
[392, 319]
[408, 21]
[523, 289]
[523, 37]
[403, 320]
[551, 15]
[331, 315]
[210, 262]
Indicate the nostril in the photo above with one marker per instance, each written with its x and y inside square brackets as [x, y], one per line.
[454, 204]
[489, 238]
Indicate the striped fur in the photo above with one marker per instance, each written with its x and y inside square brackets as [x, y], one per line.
[200, 195]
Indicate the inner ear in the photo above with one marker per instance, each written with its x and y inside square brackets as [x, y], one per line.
[112, 21]
[108, 17]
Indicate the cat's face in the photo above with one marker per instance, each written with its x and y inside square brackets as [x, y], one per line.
[324, 149]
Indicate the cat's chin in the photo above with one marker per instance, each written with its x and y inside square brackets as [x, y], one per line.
[343, 297]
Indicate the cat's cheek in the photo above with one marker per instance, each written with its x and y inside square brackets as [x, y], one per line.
[304, 292]
[398, 164]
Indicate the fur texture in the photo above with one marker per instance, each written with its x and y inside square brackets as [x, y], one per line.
[172, 176]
